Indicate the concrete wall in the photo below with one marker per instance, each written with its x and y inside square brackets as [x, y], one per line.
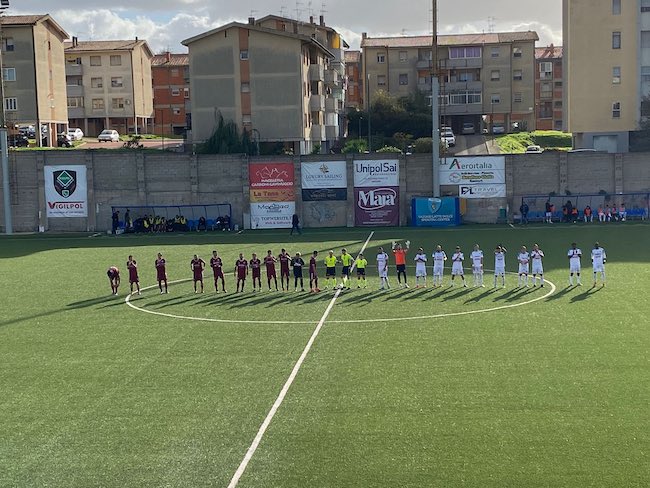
[126, 178]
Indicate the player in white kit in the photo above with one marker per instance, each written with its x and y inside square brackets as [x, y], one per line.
[457, 266]
[382, 269]
[439, 258]
[598, 260]
[574, 255]
[420, 269]
[536, 256]
[500, 265]
[524, 266]
[477, 265]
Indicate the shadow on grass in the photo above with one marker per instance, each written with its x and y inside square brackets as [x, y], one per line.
[588, 293]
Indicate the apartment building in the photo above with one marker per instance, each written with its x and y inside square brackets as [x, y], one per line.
[606, 70]
[549, 88]
[485, 78]
[355, 87]
[33, 74]
[171, 93]
[109, 85]
[271, 82]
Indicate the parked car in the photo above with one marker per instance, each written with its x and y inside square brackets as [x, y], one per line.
[17, 140]
[76, 134]
[109, 135]
[449, 137]
[468, 129]
[498, 129]
[28, 131]
[534, 150]
[63, 140]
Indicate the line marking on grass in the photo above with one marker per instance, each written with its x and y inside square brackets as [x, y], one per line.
[283, 393]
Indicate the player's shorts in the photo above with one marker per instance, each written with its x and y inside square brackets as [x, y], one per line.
[548, 214]
[297, 273]
[284, 271]
[313, 274]
[574, 268]
[161, 276]
[599, 268]
[438, 270]
[523, 269]
[457, 269]
[330, 272]
[538, 268]
[401, 268]
[198, 276]
[218, 274]
[420, 271]
[499, 270]
[361, 271]
[270, 273]
[257, 273]
[241, 275]
[134, 279]
[477, 269]
[345, 271]
[383, 273]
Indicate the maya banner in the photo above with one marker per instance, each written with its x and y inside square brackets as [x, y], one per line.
[435, 212]
[473, 170]
[66, 191]
[272, 194]
[482, 191]
[376, 206]
[375, 174]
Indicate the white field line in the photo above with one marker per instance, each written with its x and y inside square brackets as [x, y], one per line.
[283, 393]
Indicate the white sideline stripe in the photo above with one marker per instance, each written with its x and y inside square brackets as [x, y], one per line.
[283, 393]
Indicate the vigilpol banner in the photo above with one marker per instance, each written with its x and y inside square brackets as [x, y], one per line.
[470, 170]
[376, 192]
[66, 191]
[435, 212]
[322, 181]
[272, 194]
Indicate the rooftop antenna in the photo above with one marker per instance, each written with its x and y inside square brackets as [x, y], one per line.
[253, 12]
[431, 20]
[283, 11]
[298, 9]
[323, 8]
[310, 8]
[491, 23]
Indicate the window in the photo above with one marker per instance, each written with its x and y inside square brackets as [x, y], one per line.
[545, 71]
[176, 92]
[645, 73]
[186, 92]
[176, 111]
[495, 98]
[517, 75]
[381, 58]
[464, 52]
[616, 40]
[558, 84]
[117, 82]
[495, 75]
[616, 110]
[645, 5]
[11, 104]
[98, 104]
[174, 72]
[518, 98]
[557, 104]
[516, 52]
[73, 61]
[463, 97]
[8, 74]
[243, 55]
[118, 103]
[8, 44]
[495, 52]
[474, 97]
[558, 124]
[97, 82]
[545, 110]
[351, 91]
[381, 80]
[403, 79]
[75, 102]
[645, 39]
[116, 60]
[95, 60]
[616, 7]
[403, 56]
[246, 119]
[424, 81]
[546, 88]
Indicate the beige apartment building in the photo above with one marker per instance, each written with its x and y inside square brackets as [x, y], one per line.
[606, 70]
[273, 82]
[109, 86]
[485, 78]
[33, 74]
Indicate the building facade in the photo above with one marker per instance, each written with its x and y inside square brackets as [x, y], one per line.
[549, 88]
[171, 93]
[109, 86]
[485, 78]
[273, 82]
[33, 74]
[606, 70]
[355, 86]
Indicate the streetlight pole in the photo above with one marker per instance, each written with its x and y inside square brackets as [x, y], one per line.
[435, 101]
[4, 148]
[369, 137]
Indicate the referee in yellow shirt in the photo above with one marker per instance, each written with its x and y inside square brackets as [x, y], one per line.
[330, 269]
[346, 260]
[360, 264]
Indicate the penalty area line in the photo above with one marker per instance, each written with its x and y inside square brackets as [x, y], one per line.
[285, 389]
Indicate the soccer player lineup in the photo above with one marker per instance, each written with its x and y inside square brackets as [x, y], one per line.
[339, 270]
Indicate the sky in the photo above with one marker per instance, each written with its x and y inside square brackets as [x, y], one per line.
[165, 23]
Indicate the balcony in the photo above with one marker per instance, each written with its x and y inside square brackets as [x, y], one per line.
[424, 87]
[461, 63]
[73, 69]
[331, 132]
[317, 103]
[76, 113]
[463, 85]
[75, 90]
[424, 64]
[316, 72]
[332, 77]
[317, 133]
[331, 105]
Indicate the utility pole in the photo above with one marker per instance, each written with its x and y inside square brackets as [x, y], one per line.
[4, 143]
[435, 102]
[368, 104]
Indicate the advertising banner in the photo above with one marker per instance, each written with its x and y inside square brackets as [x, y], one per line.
[66, 191]
[324, 175]
[482, 191]
[272, 194]
[375, 174]
[376, 206]
[325, 194]
[435, 212]
[470, 170]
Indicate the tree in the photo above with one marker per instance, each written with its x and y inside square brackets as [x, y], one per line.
[225, 139]
[355, 146]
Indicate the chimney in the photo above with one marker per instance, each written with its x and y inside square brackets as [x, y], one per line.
[75, 41]
[311, 19]
[136, 38]
[322, 20]
[364, 35]
[251, 20]
[168, 56]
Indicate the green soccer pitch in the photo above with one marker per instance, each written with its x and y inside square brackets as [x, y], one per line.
[403, 388]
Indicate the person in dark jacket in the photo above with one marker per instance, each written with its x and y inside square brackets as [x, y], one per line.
[295, 224]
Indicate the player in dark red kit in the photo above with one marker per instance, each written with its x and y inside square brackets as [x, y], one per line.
[241, 270]
[313, 274]
[161, 273]
[269, 261]
[132, 266]
[256, 270]
[197, 265]
[285, 261]
[217, 268]
[113, 274]
[298, 263]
